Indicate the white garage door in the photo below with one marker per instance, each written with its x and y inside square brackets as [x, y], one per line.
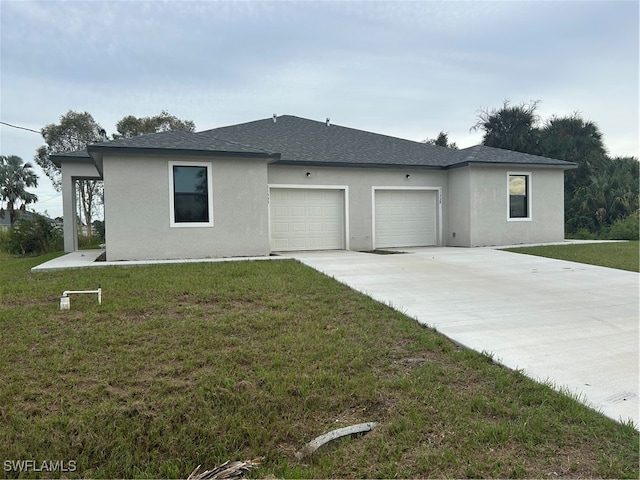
[406, 218]
[304, 219]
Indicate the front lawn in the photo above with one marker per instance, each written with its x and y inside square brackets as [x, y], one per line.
[621, 255]
[201, 363]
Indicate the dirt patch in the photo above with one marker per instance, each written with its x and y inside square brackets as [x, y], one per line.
[384, 252]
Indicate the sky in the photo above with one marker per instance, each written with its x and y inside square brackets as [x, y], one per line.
[400, 68]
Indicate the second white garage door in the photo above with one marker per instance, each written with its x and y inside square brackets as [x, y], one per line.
[405, 218]
[306, 219]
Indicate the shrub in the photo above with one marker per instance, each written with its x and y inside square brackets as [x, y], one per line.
[4, 240]
[625, 228]
[582, 234]
[34, 237]
[98, 230]
[85, 242]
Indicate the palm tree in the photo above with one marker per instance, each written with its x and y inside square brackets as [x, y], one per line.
[15, 177]
[510, 127]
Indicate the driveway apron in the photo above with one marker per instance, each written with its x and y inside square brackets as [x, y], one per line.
[569, 324]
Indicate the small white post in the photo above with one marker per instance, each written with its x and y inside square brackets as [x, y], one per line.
[65, 303]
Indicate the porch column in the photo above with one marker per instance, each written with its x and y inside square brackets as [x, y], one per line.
[69, 211]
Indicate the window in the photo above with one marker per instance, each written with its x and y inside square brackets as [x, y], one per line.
[519, 196]
[191, 194]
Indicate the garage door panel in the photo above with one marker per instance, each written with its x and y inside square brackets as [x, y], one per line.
[314, 219]
[279, 211]
[405, 218]
[281, 227]
[315, 228]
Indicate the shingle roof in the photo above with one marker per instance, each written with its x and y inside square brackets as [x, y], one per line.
[295, 140]
[481, 154]
[299, 140]
[180, 140]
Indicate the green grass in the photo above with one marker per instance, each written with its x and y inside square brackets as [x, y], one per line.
[620, 255]
[201, 363]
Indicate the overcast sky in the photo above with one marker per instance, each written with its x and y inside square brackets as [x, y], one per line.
[408, 69]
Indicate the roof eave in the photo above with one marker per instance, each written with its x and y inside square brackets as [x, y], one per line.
[101, 149]
[556, 166]
[57, 159]
[304, 163]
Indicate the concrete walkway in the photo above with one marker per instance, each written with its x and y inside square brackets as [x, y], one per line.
[570, 324]
[87, 259]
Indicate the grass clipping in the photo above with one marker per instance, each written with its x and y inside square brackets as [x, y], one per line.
[228, 470]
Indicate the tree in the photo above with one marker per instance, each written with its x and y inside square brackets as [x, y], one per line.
[131, 126]
[442, 140]
[15, 177]
[512, 128]
[610, 192]
[74, 132]
[576, 140]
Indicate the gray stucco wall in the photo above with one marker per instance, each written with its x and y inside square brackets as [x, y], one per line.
[474, 205]
[488, 222]
[360, 197]
[137, 219]
[459, 208]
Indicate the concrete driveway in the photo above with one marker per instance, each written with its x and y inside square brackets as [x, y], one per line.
[570, 324]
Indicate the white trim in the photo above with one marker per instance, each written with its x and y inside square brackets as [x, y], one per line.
[172, 222]
[345, 202]
[373, 210]
[529, 216]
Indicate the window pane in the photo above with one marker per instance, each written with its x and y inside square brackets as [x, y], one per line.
[190, 179]
[190, 200]
[191, 208]
[517, 207]
[518, 196]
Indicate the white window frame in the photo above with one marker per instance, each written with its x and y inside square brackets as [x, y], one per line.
[529, 216]
[172, 217]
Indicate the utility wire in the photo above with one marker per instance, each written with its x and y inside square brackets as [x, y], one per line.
[21, 128]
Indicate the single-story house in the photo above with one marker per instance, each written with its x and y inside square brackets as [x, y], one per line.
[287, 183]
